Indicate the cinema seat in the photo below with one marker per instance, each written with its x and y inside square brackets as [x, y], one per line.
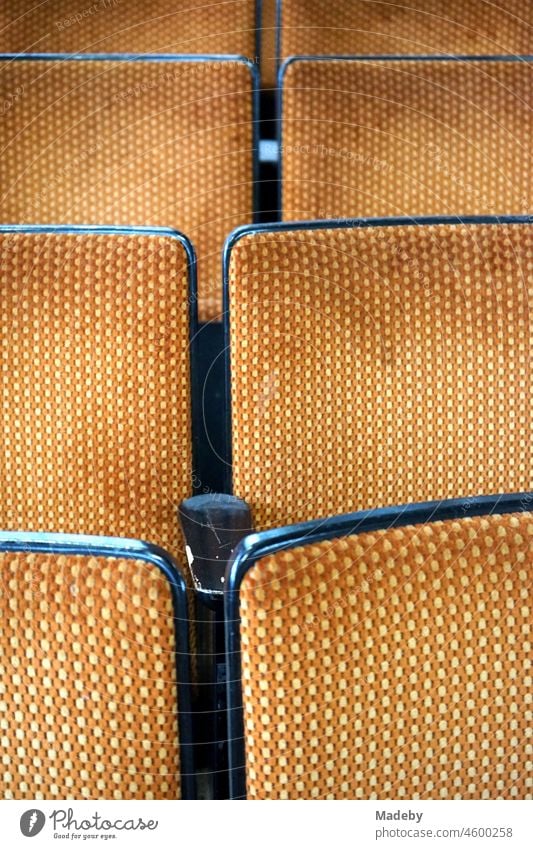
[94, 692]
[406, 136]
[116, 141]
[374, 363]
[384, 655]
[95, 383]
[135, 26]
[408, 26]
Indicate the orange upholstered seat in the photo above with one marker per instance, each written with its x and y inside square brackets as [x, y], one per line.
[384, 656]
[135, 26]
[131, 142]
[378, 365]
[94, 700]
[406, 137]
[427, 27]
[95, 413]
[268, 43]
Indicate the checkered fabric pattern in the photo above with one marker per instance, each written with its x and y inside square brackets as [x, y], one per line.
[88, 690]
[268, 44]
[423, 27]
[406, 137]
[95, 386]
[381, 365]
[391, 665]
[157, 143]
[128, 26]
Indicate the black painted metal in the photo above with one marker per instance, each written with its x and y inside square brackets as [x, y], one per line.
[213, 526]
[208, 393]
[279, 34]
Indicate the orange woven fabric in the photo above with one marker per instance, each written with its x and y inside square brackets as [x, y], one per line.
[95, 388]
[365, 138]
[128, 26]
[268, 44]
[88, 694]
[141, 143]
[423, 27]
[391, 665]
[378, 366]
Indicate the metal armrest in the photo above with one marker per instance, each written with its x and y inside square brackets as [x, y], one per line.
[213, 525]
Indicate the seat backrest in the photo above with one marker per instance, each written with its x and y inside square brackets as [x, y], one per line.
[268, 43]
[135, 26]
[406, 26]
[96, 389]
[156, 141]
[377, 363]
[94, 670]
[384, 655]
[407, 136]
